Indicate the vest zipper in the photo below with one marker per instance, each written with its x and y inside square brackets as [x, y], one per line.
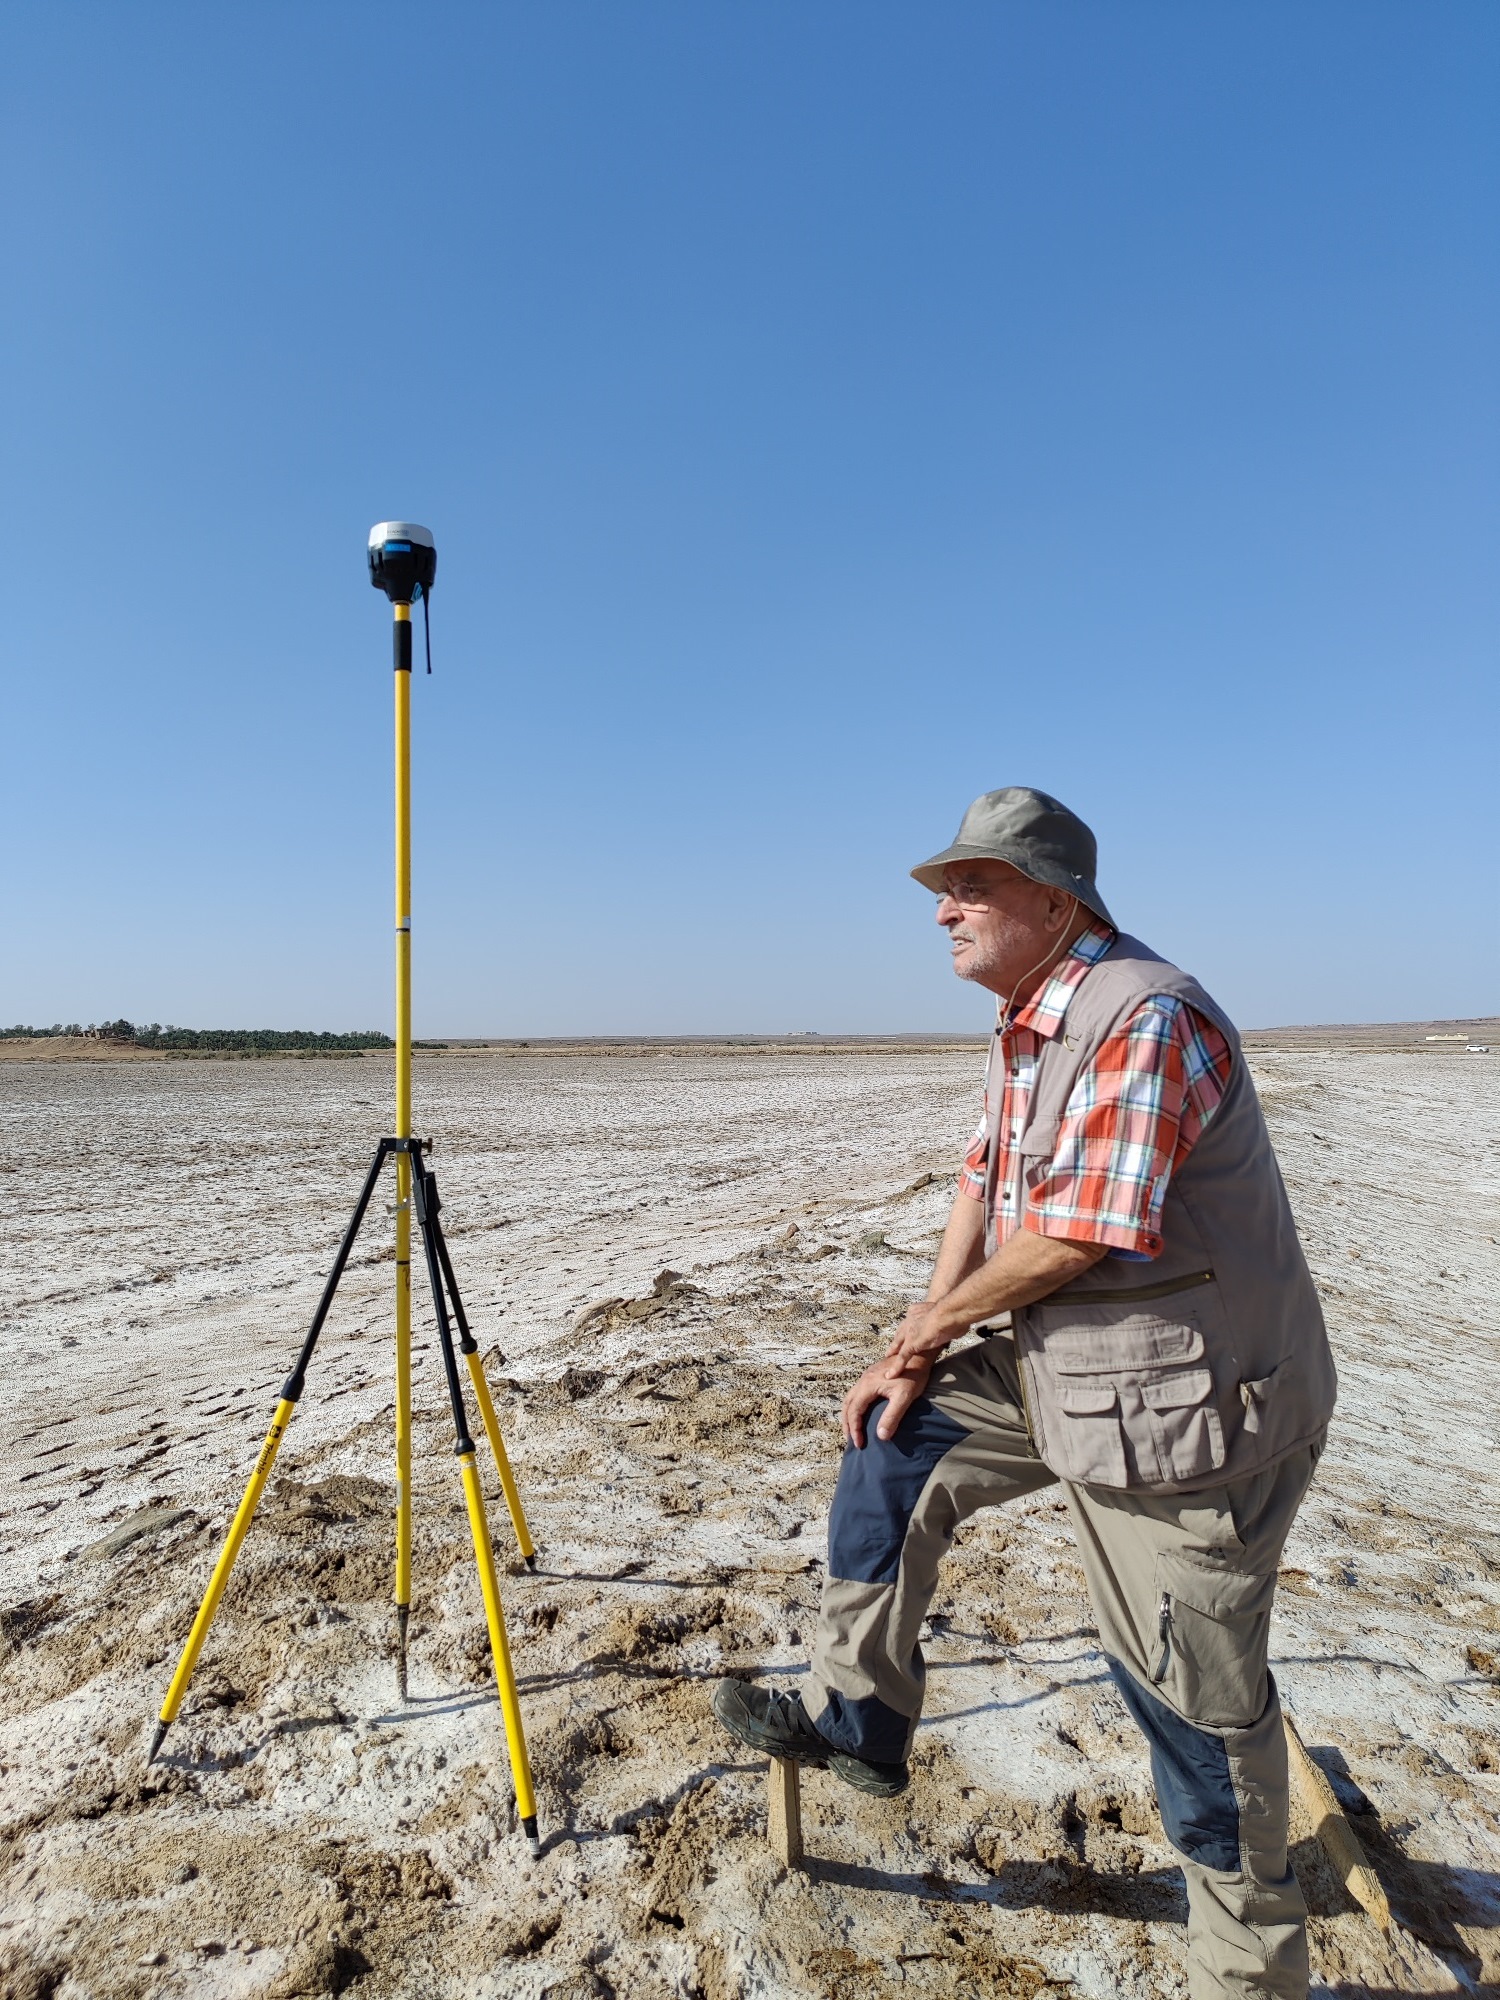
[1025, 1399]
[1164, 1633]
[1099, 1296]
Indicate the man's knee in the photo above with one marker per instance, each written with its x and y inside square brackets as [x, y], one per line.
[879, 1486]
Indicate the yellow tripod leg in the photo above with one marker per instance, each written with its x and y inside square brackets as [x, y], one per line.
[502, 1462]
[238, 1529]
[505, 1679]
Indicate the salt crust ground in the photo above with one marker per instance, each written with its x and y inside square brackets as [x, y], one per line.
[165, 1232]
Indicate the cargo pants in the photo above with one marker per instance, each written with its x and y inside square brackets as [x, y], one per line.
[1181, 1587]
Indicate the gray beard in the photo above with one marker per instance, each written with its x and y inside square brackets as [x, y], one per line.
[979, 963]
[986, 955]
[983, 957]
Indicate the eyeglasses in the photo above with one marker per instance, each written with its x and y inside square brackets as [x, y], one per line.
[968, 893]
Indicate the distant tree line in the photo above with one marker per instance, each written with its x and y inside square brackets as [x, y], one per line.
[242, 1041]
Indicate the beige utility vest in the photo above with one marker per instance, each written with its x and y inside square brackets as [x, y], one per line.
[1210, 1361]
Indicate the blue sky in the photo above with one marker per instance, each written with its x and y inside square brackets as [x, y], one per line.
[825, 413]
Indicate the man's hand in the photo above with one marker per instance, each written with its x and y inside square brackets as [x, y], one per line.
[923, 1333]
[896, 1381]
[1025, 1268]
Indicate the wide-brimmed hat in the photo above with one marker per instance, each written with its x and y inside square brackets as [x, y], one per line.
[1033, 832]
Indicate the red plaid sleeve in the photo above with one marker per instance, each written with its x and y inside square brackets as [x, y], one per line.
[1133, 1116]
[976, 1160]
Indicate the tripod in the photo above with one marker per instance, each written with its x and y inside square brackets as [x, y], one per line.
[403, 562]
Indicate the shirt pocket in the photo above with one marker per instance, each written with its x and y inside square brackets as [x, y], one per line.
[1212, 1631]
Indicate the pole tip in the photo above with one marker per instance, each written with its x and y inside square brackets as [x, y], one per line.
[534, 1845]
[530, 1560]
[156, 1741]
[403, 1613]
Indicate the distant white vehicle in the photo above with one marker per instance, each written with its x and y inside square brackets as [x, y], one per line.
[1477, 1049]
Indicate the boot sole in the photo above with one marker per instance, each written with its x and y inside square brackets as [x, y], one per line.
[860, 1777]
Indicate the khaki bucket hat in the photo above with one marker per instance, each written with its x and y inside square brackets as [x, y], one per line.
[1033, 832]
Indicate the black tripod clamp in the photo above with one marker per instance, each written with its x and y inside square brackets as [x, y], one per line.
[426, 1208]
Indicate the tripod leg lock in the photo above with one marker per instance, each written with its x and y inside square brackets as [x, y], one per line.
[424, 1196]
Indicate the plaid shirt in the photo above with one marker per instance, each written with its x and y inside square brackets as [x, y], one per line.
[1133, 1116]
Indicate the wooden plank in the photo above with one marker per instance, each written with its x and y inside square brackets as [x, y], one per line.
[784, 1819]
[1339, 1840]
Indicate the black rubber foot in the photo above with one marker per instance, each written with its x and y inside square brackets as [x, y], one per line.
[531, 1560]
[157, 1740]
[528, 1827]
[403, 1613]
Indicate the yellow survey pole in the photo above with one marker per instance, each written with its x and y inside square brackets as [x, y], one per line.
[239, 1528]
[402, 653]
[403, 562]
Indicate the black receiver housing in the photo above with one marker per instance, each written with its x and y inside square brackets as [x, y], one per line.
[403, 560]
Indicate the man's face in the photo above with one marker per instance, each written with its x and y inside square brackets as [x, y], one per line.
[997, 920]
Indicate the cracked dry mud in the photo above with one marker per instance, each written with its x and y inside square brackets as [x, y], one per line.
[731, 1231]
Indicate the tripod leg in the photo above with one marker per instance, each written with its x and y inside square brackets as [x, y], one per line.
[240, 1526]
[238, 1530]
[425, 1203]
[469, 1348]
[502, 1461]
[505, 1677]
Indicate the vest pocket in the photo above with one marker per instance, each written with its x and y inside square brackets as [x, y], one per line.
[1100, 1340]
[1125, 1399]
[1091, 1443]
[1254, 1395]
[1186, 1433]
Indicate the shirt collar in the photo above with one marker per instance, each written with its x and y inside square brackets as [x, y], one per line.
[1046, 1013]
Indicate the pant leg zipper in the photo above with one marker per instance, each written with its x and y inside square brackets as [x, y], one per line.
[1164, 1633]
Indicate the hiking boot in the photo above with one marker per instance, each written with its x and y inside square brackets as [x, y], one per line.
[777, 1725]
[767, 1720]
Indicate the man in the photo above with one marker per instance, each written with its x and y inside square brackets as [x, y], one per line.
[1166, 1362]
